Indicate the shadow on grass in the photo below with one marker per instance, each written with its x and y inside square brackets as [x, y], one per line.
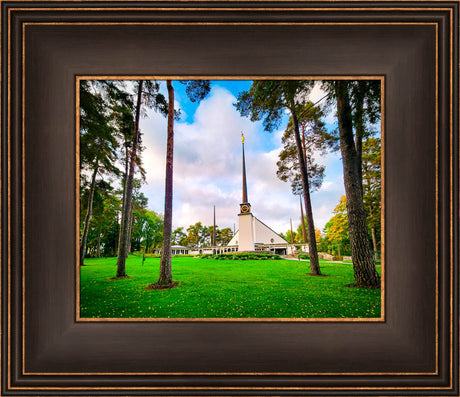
[118, 278]
[354, 285]
[163, 286]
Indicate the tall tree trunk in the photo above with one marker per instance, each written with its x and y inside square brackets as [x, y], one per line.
[125, 185]
[304, 230]
[130, 229]
[124, 227]
[313, 252]
[363, 263]
[359, 127]
[165, 264]
[89, 211]
[117, 241]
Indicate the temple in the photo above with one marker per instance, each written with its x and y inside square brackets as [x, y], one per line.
[253, 234]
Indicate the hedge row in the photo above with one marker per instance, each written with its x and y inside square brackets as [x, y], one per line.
[242, 256]
[138, 253]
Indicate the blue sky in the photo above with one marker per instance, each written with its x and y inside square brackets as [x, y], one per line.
[207, 164]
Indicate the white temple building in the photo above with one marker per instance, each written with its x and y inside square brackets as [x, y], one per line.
[253, 234]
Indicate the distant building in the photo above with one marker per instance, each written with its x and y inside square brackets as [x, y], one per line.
[176, 250]
[180, 250]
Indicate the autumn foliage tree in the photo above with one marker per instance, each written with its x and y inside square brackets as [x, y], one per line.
[337, 227]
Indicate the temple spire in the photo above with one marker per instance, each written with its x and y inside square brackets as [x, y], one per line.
[245, 188]
[245, 207]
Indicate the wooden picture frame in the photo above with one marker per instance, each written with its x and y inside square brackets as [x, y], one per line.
[414, 45]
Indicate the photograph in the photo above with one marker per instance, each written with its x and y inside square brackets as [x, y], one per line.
[230, 199]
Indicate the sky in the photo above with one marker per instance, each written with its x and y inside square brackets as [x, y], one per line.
[208, 158]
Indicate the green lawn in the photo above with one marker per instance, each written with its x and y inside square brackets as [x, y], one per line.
[225, 289]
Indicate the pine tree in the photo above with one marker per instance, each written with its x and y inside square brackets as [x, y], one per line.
[268, 100]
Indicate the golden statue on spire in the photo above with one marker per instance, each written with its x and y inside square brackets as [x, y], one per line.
[242, 137]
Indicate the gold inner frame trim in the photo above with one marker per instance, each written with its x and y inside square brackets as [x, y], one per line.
[79, 78]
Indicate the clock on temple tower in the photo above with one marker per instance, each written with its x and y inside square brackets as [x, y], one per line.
[245, 208]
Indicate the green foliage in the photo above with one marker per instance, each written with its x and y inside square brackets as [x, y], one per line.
[199, 235]
[196, 90]
[103, 227]
[315, 140]
[224, 289]
[244, 256]
[268, 99]
[223, 236]
[372, 177]
[147, 227]
[178, 237]
[303, 256]
[293, 237]
[98, 136]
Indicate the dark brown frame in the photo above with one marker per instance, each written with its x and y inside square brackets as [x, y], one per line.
[46, 44]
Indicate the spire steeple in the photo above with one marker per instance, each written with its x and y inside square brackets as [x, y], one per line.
[245, 207]
[245, 187]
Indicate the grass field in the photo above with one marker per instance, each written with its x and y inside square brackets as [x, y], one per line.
[224, 289]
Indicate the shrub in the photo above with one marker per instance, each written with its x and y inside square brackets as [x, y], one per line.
[303, 256]
[242, 256]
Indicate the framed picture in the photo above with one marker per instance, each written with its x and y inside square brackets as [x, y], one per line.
[48, 48]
